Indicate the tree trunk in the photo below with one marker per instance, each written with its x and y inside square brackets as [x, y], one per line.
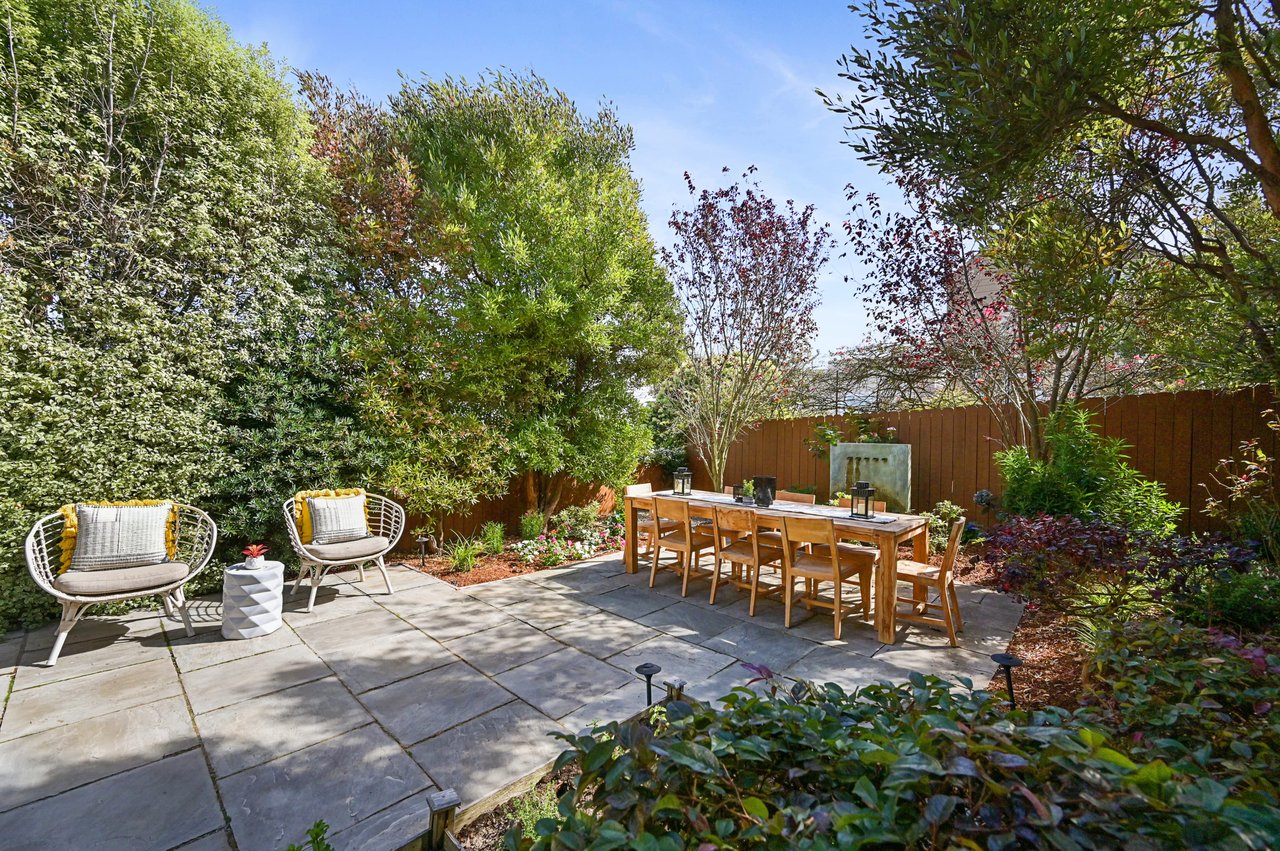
[544, 493]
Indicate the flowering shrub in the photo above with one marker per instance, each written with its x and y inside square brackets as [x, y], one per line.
[552, 548]
[1094, 569]
[1250, 505]
[918, 765]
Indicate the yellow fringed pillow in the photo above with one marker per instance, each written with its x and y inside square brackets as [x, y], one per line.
[302, 512]
[71, 527]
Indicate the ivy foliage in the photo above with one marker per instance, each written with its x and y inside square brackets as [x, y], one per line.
[1162, 764]
[162, 224]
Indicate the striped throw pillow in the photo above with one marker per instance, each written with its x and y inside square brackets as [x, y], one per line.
[111, 536]
[337, 519]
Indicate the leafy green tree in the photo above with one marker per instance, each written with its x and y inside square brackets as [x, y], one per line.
[1170, 103]
[555, 306]
[159, 211]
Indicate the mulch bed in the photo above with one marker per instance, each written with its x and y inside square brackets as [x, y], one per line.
[488, 568]
[486, 832]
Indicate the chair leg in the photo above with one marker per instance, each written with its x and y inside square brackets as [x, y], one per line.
[303, 569]
[788, 588]
[754, 570]
[168, 606]
[653, 570]
[360, 570]
[70, 614]
[382, 566]
[715, 580]
[180, 602]
[838, 613]
[865, 582]
[955, 607]
[686, 564]
[944, 599]
[317, 575]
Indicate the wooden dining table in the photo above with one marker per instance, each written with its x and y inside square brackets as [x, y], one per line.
[886, 530]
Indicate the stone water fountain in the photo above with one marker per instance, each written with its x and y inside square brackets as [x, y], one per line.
[887, 466]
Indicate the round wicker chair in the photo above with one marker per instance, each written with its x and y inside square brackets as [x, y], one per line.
[386, 523]
[196, 536]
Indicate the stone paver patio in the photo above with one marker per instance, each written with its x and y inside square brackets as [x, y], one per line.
[141, 738]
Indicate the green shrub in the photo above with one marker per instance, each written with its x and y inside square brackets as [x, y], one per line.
[531, 525]
[921, 765]
[494, 536]
[1248, 601]
[1084, 475]
[317, 839]
[464, 552]
[578, 522]
[941, 516]
[528, 810]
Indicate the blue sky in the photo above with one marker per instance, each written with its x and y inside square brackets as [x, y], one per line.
[704, 85]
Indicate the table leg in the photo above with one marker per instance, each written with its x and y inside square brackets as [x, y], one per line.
[887, 591]
[630, 552]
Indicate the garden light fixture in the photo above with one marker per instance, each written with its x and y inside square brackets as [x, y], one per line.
[1007, 662]
[648, 670]
[683, 482]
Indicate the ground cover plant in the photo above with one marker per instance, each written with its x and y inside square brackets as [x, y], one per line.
[1160, 760]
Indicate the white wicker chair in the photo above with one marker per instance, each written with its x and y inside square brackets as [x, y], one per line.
[386, 523]
[197, 534]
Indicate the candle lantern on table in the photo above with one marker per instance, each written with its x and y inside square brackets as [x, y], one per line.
[860, 500]
[739, 493]
[683, 482]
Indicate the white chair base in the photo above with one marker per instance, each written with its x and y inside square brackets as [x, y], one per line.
[317, 573]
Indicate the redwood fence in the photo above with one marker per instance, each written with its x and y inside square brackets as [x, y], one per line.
[1175, 438]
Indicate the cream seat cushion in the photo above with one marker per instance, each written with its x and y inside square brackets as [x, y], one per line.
[119, 580]
[350, 550]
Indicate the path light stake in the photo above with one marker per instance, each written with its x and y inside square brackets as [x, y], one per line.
[647, 670]
[1007, 662]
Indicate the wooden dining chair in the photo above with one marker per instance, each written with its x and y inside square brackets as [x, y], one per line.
[828, 561]
[685, 539]
[642, 501]
[925, 578]
[737, 541]
[796, 496]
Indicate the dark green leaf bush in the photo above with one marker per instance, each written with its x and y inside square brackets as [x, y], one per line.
[923, 765]
[1084, 475]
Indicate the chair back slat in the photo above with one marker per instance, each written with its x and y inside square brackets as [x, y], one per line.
[638, 489]
[809, 530]
[953, 550]
[734, 520]
[668, 508]
[793, 496]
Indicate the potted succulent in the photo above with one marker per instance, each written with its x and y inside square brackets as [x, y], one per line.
[254, 556]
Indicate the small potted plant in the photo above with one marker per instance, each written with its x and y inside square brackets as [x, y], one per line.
[254, 556]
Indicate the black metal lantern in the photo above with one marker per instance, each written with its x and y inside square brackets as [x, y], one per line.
[683, 482]
[739, 493]
[764, 489]
[860, 500]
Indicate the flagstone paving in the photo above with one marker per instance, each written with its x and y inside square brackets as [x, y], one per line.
[141, 738]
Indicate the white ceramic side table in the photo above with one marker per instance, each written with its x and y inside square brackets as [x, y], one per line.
[252, 600]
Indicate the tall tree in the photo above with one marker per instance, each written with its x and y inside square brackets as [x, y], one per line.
[1173, 101]
[746, 271]
[556, 305]
[1040, 309]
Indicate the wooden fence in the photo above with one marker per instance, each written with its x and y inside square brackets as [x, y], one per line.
[1175, 438]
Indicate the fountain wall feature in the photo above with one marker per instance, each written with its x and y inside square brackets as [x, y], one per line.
[887, 466]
